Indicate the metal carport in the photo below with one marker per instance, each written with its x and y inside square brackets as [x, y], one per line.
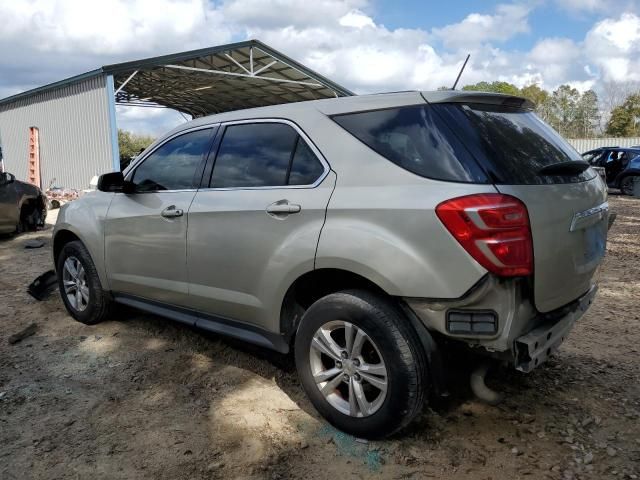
[76, 117]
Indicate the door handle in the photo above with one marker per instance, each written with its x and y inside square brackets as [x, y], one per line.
[283, 207]
[172, 212]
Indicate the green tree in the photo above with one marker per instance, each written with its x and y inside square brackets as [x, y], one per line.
[131, 145]
[534, 93]
[540, 98]
[564, 110]
[625, 119]
[494, 87]
[588, 115]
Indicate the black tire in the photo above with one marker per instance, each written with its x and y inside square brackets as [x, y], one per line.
[626, 185]
[398, 345]
[99, 304]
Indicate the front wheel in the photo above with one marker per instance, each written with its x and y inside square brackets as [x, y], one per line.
[361, 363]
[80, 286]
[626, 185]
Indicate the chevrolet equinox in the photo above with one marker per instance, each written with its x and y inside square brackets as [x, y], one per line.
[366, 234]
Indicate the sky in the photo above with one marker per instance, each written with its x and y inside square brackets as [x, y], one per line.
[365, 45]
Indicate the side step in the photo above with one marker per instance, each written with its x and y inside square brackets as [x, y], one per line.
[218, 325]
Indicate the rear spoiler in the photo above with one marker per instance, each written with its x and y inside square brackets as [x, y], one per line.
[457, 96]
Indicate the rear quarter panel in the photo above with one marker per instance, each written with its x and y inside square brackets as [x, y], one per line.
[381, 223]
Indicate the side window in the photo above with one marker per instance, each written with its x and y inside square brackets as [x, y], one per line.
[416, 139]
[173, 165]
[305, 167]
[262, 155]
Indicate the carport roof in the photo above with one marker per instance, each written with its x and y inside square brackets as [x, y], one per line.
[211, 80]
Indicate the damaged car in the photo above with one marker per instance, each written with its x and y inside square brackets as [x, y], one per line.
[370, 235]
[22, 206]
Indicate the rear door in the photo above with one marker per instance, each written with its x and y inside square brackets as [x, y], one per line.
[567, 211]
[256, 228]
[146, 230]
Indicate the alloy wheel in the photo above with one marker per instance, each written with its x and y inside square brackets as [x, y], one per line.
[348, 369]
[75, 284]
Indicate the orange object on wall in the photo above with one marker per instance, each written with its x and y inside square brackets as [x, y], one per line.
[33, 170]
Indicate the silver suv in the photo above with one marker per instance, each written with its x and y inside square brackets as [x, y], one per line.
[366, 234]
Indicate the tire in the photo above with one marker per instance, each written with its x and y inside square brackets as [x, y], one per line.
[31, 218]
[93, 304]
[626, 185]
[391, 343]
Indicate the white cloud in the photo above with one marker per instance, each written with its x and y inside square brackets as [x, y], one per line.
[113, 27]
[273, 14]
[356, 19]
[477, 29]
[613, 45]
[148, 121]
[582, 7]
[47, 40]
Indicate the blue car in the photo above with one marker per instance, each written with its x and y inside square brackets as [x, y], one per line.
[621, 164]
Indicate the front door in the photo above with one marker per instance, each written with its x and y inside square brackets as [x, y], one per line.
[146, 231]
[614, 164]
[257, 227]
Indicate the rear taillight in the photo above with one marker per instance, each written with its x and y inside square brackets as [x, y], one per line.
[494, 229]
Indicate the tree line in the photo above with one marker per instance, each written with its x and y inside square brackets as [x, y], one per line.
[580, 115]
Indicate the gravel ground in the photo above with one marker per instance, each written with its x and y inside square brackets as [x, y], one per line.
[141, 397]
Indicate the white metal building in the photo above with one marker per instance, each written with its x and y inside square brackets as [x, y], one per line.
[76, 117]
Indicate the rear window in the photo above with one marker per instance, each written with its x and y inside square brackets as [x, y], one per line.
[465, 143]
[511, 144]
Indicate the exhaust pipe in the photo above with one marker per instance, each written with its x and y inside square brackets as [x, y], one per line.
[479, 387]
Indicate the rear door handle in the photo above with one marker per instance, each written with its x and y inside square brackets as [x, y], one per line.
[172, 212]
[283, 207]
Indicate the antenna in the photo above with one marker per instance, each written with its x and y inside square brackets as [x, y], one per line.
[461, 70]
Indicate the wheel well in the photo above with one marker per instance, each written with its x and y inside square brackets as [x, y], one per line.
[314, 285]
[61, 239]
[27, 207]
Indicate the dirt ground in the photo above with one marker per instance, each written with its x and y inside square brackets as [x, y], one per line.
[142, 397]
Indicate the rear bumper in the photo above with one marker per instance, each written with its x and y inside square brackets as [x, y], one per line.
[533, 348]
[523, 337]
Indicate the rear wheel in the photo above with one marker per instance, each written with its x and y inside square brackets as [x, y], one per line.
[626, 185]
[80, 286]
[360, 363]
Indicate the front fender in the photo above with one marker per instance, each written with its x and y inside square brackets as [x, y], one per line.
[84, 218]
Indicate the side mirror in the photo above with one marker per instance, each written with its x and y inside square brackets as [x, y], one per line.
[114, 182]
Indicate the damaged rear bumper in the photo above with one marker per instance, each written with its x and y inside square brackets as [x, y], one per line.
[524, 337]
[533, 348]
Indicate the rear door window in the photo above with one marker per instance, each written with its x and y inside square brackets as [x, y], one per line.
[416, 140]
[305, 166]
[264, 155]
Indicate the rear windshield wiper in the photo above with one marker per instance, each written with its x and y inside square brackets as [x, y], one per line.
[564, 168]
